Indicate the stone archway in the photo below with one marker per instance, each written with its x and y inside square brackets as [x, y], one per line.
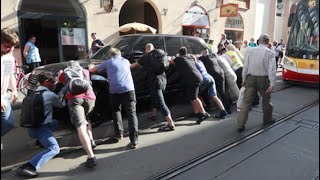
[195, 22]
[137, 10]
[234, 28]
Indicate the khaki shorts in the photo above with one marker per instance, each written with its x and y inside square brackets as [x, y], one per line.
[79, 109]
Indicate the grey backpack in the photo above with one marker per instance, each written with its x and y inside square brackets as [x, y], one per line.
[76, 81]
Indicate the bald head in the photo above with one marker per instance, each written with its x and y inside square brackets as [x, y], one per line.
[149, 47]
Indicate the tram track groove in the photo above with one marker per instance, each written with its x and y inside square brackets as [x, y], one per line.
[187, 165]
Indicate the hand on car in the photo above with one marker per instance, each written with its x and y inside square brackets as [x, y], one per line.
[90, 66]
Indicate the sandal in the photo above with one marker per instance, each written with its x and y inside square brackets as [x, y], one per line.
[152, 118]
[166, 128]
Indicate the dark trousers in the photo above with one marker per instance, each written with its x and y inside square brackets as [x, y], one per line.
[277, 60]
[156, 93]
[32, 66]
[128, 100]
[239, 77]
[221, 90]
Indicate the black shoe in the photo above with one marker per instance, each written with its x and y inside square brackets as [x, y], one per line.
[222, 114]
[202, 117]
[228, 111]
[134, 144]
[91, 162]
[195, 115]
[241, 129]
[118, 136]
[93, 144]
[269, 122]
[27, 170]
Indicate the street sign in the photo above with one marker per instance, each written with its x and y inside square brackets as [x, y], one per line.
[229, 10]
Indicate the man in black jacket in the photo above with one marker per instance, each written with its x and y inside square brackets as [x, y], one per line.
[213, 68]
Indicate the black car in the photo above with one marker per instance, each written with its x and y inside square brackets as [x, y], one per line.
[132, 47]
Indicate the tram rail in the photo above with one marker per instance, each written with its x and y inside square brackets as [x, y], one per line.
[187, 165]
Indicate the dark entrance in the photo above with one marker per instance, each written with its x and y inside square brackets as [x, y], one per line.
[48, 21]
[46, 32]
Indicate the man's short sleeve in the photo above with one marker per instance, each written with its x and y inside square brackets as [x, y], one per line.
[101, 67]
[100, 42]
[142, 60]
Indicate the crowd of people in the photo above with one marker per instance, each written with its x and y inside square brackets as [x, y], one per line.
[217, 76]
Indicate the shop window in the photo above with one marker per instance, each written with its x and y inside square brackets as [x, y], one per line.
[244, 4]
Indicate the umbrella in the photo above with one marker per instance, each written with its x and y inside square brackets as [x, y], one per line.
[132, 28]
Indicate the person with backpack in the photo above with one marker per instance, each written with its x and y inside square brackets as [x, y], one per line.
[81, 100]
[154, 62]
[122, 93]
[190, 79]
[36, 113]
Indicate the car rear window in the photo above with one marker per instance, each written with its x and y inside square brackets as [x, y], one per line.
[157, 42]
[196, 46]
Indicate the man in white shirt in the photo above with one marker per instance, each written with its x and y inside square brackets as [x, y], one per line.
[259, 74]
[9, 40]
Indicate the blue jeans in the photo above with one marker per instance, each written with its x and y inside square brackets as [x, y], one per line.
[7, 120]
[156, 92]
[46, 138]
[208, 84]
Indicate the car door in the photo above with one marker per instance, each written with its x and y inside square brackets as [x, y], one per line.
[172, 46]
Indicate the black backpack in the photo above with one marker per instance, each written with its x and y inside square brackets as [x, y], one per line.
[32, 111]
[160, 61]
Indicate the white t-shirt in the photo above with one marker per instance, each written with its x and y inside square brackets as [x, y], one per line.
[7, 69]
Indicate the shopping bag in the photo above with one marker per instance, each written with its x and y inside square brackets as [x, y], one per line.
[240, 99]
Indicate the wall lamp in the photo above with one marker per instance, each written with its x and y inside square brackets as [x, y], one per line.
[164, 11]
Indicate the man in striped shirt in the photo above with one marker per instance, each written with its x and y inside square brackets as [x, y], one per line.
[9, 40]
[259, 74]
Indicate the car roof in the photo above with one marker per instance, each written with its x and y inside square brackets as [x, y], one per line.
[166, 35]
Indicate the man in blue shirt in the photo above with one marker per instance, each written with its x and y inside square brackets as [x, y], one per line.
[44, 133]
[122, 92]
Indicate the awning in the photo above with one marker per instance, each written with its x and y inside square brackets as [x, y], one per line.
[133, 28]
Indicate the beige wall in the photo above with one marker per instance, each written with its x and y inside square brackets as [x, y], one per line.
[107, 24]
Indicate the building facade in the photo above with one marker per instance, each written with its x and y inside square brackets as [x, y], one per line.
[63, 27]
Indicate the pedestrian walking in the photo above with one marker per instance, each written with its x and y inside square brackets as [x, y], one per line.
[190, 79]
[157, 85]
[9, 40]
[122, 93]
[44, 133]
[208, 86]
[31, 54]
[235, 62]
[80, 106]
[259, 74]
[211, 64]
[95, 45]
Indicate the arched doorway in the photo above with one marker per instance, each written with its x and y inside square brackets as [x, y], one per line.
[59, 26]
[138, 11]
[234, 29]
[195, 22]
